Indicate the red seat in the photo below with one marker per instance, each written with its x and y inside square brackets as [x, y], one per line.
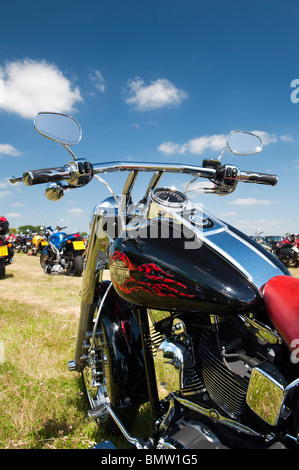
[281, 297]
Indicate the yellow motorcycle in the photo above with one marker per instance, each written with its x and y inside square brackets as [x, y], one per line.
[39, 242]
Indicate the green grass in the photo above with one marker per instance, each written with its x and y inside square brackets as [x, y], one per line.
[42, 405]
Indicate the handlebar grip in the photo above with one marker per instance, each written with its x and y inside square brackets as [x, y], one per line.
[260, 178]
[46, 175]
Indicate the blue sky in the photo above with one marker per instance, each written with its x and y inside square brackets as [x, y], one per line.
[151, 81]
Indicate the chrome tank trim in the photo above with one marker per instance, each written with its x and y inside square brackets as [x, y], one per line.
[259, 269]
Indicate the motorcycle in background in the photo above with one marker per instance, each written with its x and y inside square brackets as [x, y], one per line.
[287, 252]
[63, 253]
[197, 320]
[38, 243]
[6, 247]
[23, 242]
[296, 248]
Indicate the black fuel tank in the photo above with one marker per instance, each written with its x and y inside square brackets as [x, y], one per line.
[220, 274]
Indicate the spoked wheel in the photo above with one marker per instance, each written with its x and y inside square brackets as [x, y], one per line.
[96, 381]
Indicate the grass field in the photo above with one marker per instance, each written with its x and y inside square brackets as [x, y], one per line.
[41, 403]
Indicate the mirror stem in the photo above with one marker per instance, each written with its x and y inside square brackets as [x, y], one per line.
[69, 150]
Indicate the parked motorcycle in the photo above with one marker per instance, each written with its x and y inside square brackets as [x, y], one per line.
[23, 242]
[63, 253]
[38, 243]
[197, 320]
[287, 252]
[6, 247]
[296, 248]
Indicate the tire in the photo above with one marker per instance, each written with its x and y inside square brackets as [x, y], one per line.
[75, 264]
[43, 260]
[99, 395]
[2, 268]
[292, 263]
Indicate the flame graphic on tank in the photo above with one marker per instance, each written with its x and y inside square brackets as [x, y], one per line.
[148, 278]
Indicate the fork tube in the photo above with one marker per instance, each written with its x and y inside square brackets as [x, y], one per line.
[97, 248]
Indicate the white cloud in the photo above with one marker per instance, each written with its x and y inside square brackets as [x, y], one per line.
[214, 143]
[7, 149]
[31, 86]
[268, 227]
[4, 183]
[169, 148]
[196, 146]
[250, 201]
[98, 80]
[266, 137]
[228, 214]
[18, 204]
[13, 215]
[286, 138]
[75, 211]
[4, 193]
[158, 94]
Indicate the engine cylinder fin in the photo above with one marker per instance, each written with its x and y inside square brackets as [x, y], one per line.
[225, 388]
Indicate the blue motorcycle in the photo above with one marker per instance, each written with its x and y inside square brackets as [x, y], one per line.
[64, 253]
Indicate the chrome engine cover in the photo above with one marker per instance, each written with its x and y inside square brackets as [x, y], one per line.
[173, 364]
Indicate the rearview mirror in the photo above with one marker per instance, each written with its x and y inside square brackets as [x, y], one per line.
[244, 143]
[58, 127]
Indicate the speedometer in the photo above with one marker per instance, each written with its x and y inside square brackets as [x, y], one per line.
[168, 197]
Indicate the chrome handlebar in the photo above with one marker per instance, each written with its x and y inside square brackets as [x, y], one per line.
[79, 172]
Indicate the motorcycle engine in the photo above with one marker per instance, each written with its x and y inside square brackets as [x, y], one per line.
[53, 269]
[229, 367]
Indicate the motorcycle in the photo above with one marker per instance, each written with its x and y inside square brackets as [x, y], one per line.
[198, 320]
[296, 248]
[63, 253]
[287, 252]
[38, 243]
[6, 247]
[23, 242]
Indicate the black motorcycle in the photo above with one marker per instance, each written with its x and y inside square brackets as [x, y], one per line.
[23, 242]
[6, 247]
[199, 321]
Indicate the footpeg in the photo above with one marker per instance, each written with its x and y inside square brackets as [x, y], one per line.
[72, 365]
[98, 412]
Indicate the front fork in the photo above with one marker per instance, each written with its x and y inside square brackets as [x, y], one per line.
[96, 260]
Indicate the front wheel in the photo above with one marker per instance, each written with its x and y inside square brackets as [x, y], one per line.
[96, 376]
[75, 265]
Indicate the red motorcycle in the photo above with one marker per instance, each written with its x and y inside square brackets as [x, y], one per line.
[287, 251]
[6, 247]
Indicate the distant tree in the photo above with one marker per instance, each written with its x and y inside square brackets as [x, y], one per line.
[31, 228]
